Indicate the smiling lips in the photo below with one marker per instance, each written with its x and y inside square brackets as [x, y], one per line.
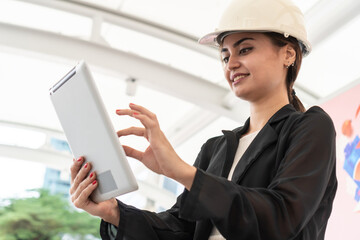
[236, 78]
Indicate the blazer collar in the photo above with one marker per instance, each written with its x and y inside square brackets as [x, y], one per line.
[282, 113]
[264, 138]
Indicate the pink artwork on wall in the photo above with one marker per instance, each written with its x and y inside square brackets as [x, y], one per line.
[344, 109]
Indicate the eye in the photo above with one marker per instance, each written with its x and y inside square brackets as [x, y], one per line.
[225, 59]
[245, 50]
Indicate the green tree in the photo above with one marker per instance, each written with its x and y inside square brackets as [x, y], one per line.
[45, 217]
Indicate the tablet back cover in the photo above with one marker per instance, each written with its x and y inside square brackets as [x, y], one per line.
[90, 133]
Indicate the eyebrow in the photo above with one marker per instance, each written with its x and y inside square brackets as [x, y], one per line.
[237, 44]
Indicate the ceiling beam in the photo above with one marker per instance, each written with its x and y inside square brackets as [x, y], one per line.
[161, 77]
[128, 21]
[326, 17]
[99, 15]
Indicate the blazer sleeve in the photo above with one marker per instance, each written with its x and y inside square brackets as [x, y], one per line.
[140, 224]
[283, 209]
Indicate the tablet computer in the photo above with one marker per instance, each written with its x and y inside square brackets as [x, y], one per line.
[90, 133]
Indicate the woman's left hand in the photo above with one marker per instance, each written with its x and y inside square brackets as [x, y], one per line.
[160, 156]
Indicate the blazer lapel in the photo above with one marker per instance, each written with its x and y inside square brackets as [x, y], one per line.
[231, 146]
[265, 137]
[232, 142]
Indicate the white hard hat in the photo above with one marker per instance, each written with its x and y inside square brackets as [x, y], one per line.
[281, 16]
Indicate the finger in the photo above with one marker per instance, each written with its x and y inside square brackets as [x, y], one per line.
[131, 131]
[131, 152]
[83, 185]
[122, 112]
[146, 121]
[83, 199]
[80, 176]
[142, 110]
[75, 167]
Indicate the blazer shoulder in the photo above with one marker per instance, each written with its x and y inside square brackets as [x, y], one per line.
[316, 119]
[319, 116]
[213, 141]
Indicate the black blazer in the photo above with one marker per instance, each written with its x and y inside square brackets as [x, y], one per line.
[282, 188]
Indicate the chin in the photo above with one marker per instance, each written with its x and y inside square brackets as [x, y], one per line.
[239, 93]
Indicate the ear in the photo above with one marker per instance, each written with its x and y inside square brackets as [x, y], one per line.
[290, 55]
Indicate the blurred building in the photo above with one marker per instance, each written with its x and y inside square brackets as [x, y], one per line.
[56, 182]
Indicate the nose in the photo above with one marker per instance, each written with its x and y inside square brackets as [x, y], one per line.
[233, 63]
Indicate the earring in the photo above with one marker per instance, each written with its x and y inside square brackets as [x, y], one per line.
[292, 64]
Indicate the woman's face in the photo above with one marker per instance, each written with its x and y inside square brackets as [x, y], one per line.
[253, 66]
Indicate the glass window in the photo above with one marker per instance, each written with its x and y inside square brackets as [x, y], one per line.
[331, 66]
[44, 18]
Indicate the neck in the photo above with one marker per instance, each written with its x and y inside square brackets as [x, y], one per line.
[263, 110]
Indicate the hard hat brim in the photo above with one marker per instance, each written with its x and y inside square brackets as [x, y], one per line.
[215, 39]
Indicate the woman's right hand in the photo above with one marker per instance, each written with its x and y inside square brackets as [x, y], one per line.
[81, 188]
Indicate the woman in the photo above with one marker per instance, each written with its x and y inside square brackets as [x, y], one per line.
[273, 178]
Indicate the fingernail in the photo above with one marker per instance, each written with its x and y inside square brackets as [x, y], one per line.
[85, 166]
[79, 159]
[131, 104]
[94, 182]
[118, 110]
[92, 174]
[135, 113]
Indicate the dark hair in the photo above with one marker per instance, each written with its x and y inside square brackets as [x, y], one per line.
[280, 40]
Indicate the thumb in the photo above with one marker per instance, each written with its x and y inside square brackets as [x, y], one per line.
[131, 152]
